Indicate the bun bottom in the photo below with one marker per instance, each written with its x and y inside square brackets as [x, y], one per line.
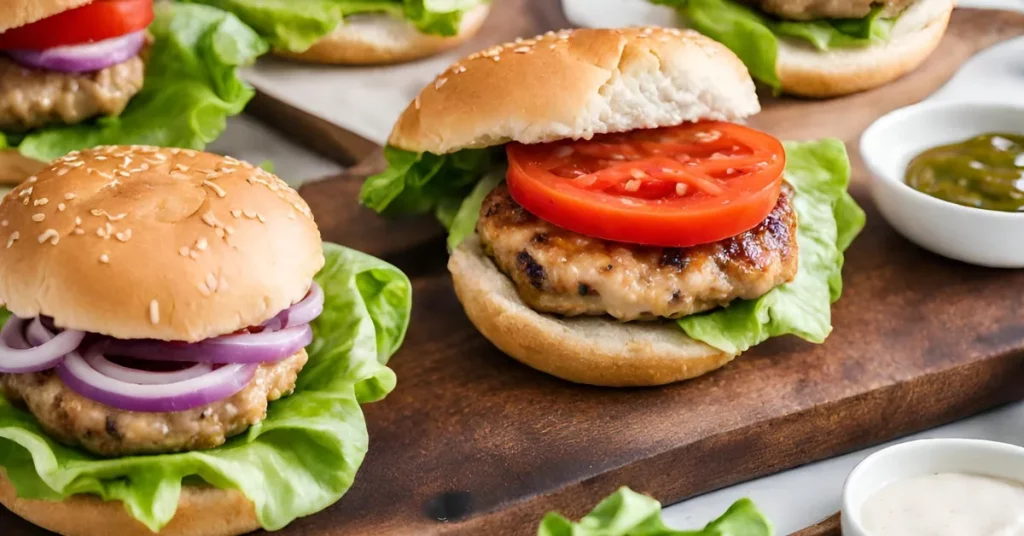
[590, 350]
[382, 39]
[15, 168]
[202, 511]
[808, 72]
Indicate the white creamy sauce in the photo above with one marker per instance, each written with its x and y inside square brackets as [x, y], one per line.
[946, 504]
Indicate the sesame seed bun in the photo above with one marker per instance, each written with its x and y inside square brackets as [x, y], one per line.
[575, 84]
[806, 71]
[590, 350]
[370, 39]
[15, 13]
[202, 511]
[145, 242]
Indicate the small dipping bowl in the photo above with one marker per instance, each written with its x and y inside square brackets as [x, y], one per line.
[920, 458]
[972, 235]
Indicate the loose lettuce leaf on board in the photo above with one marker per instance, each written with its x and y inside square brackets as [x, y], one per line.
[627, 513]
[296, 26]
[828, 219]
[754, 35]
[190, 89]
[301, 459]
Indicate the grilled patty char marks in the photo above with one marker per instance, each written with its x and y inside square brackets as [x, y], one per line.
[78, 421]
[827, 9]
[32, 98]
[559, 271]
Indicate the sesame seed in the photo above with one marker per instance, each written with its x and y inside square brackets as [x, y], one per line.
[236, 213]
[41, 201]
[105, 259]
[201, 244]
[101, 158]
[261, 218]
[50, 234]
[681, 188]
[61, 207]
[4, 223]
[124, 236]
[62, 171]
[13, 238]
[522, 50]
[76, 164]
[249, 214]
[637, 174]
[38, 217]
[181, 167]
[79, 232]
[219, 232]
[440, 82]
[97, 212]
[69, 197]
[193, 255]
[213, 186]
[203, 289]
[632, 185]
[32, 179]
[154, 312]
[211, 282]
[78, 221]
[183, 251]
[26, 192]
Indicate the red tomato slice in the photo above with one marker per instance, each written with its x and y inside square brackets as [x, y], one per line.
[672, 187]
[97, 21]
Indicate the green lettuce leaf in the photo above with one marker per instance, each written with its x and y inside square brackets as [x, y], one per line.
[301, 459]
[408, 185]
[296, 26]
[754, 35]
[627, 513]
[190, 88]
[828, 219]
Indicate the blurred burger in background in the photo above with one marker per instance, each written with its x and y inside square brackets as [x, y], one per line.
[79, 73]
[360, 32]
[822, 48]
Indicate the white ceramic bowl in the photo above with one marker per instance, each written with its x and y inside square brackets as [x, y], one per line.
[976, 236]
[925, 457]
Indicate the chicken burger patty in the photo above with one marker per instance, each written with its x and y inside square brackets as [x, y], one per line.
[32, 98]
[828, 9]
[559, 271]
[78, 421]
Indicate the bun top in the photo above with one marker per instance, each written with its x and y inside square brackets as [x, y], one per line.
[145, 242]
[14, 13]
[575, 84]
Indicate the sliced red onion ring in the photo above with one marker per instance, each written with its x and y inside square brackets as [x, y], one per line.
[262, 347]
[18, 356]
[222, 383]
[83, 58]
[108, 368]
[303, 312]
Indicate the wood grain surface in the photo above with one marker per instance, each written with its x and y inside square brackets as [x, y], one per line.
[471, 442]
[828, 527]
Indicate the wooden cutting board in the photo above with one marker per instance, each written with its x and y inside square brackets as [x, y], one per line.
[473, 443]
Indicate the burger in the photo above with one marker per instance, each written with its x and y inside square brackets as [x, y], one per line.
[611, 221]
[80, 73]
[822, 48]
[182, 355]
[360, 32]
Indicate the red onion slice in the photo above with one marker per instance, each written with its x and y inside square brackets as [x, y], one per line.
[104, 366]
[83, 58]
[303, 312]
[17, 356]
[222, 383]
[261, 347]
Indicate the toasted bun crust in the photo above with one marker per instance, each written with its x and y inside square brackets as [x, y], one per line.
[590, 350]
[14, 13]
[201, 511]
[575, 84]
[145, 242]
[806, 71]
[15, 168]
[369, 39]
